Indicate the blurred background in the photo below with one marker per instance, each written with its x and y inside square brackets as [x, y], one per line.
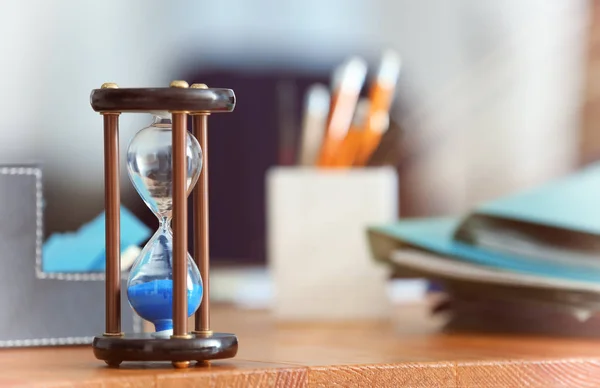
[493, 96]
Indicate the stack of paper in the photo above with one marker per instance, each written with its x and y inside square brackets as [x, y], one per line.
[526, 263]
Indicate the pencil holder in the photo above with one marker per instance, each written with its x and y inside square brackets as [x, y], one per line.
[317, 247]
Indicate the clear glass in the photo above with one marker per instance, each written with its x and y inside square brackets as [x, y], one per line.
[150, 283]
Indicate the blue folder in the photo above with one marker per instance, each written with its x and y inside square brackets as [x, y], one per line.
[571, 203]
[435, 235]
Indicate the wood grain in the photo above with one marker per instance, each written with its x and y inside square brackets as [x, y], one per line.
[547, 374]
[384, 375]
[407, 350]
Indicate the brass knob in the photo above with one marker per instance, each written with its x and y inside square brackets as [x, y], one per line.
[181, 364]
[109, 85]
[199, 86]
[179, 84]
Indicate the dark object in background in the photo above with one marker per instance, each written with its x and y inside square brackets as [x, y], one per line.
[40, 309]
[264, 131]
[481, 309]
[243, 146]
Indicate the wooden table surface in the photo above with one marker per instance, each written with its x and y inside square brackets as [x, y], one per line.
[408, 350]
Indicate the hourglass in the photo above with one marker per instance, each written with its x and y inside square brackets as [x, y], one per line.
[165, 285]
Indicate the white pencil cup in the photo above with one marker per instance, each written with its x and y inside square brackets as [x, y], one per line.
[318, 254]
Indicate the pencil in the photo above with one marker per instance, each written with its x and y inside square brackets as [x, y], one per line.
[381, 96]
[314, 121]
[347, 84]
[348, 149]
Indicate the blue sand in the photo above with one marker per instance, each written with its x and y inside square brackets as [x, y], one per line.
[153, 301]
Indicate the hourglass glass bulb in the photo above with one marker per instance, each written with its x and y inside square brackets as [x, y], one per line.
[149, 164]
[150, 283]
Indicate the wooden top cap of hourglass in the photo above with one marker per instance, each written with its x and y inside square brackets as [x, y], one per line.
[179, 97]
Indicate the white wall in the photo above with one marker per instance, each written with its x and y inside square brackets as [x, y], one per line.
[54, 52]
[498, 89]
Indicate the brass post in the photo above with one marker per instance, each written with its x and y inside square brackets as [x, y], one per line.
[113, 234]
[201, 217]
[180, 237]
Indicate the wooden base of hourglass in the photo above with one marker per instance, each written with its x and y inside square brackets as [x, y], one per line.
[113, 346]
[144, 347]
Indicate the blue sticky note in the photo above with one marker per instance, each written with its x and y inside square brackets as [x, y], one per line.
[84, 249]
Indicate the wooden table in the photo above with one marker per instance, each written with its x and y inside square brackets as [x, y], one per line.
[407, 351]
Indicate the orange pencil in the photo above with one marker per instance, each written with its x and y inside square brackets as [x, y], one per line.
[381, 97]
[347, 83]
[348, 149]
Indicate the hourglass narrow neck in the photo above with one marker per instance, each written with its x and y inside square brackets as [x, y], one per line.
[165, 223]
[161, 119]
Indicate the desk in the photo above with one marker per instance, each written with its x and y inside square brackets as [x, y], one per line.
[407, 351]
